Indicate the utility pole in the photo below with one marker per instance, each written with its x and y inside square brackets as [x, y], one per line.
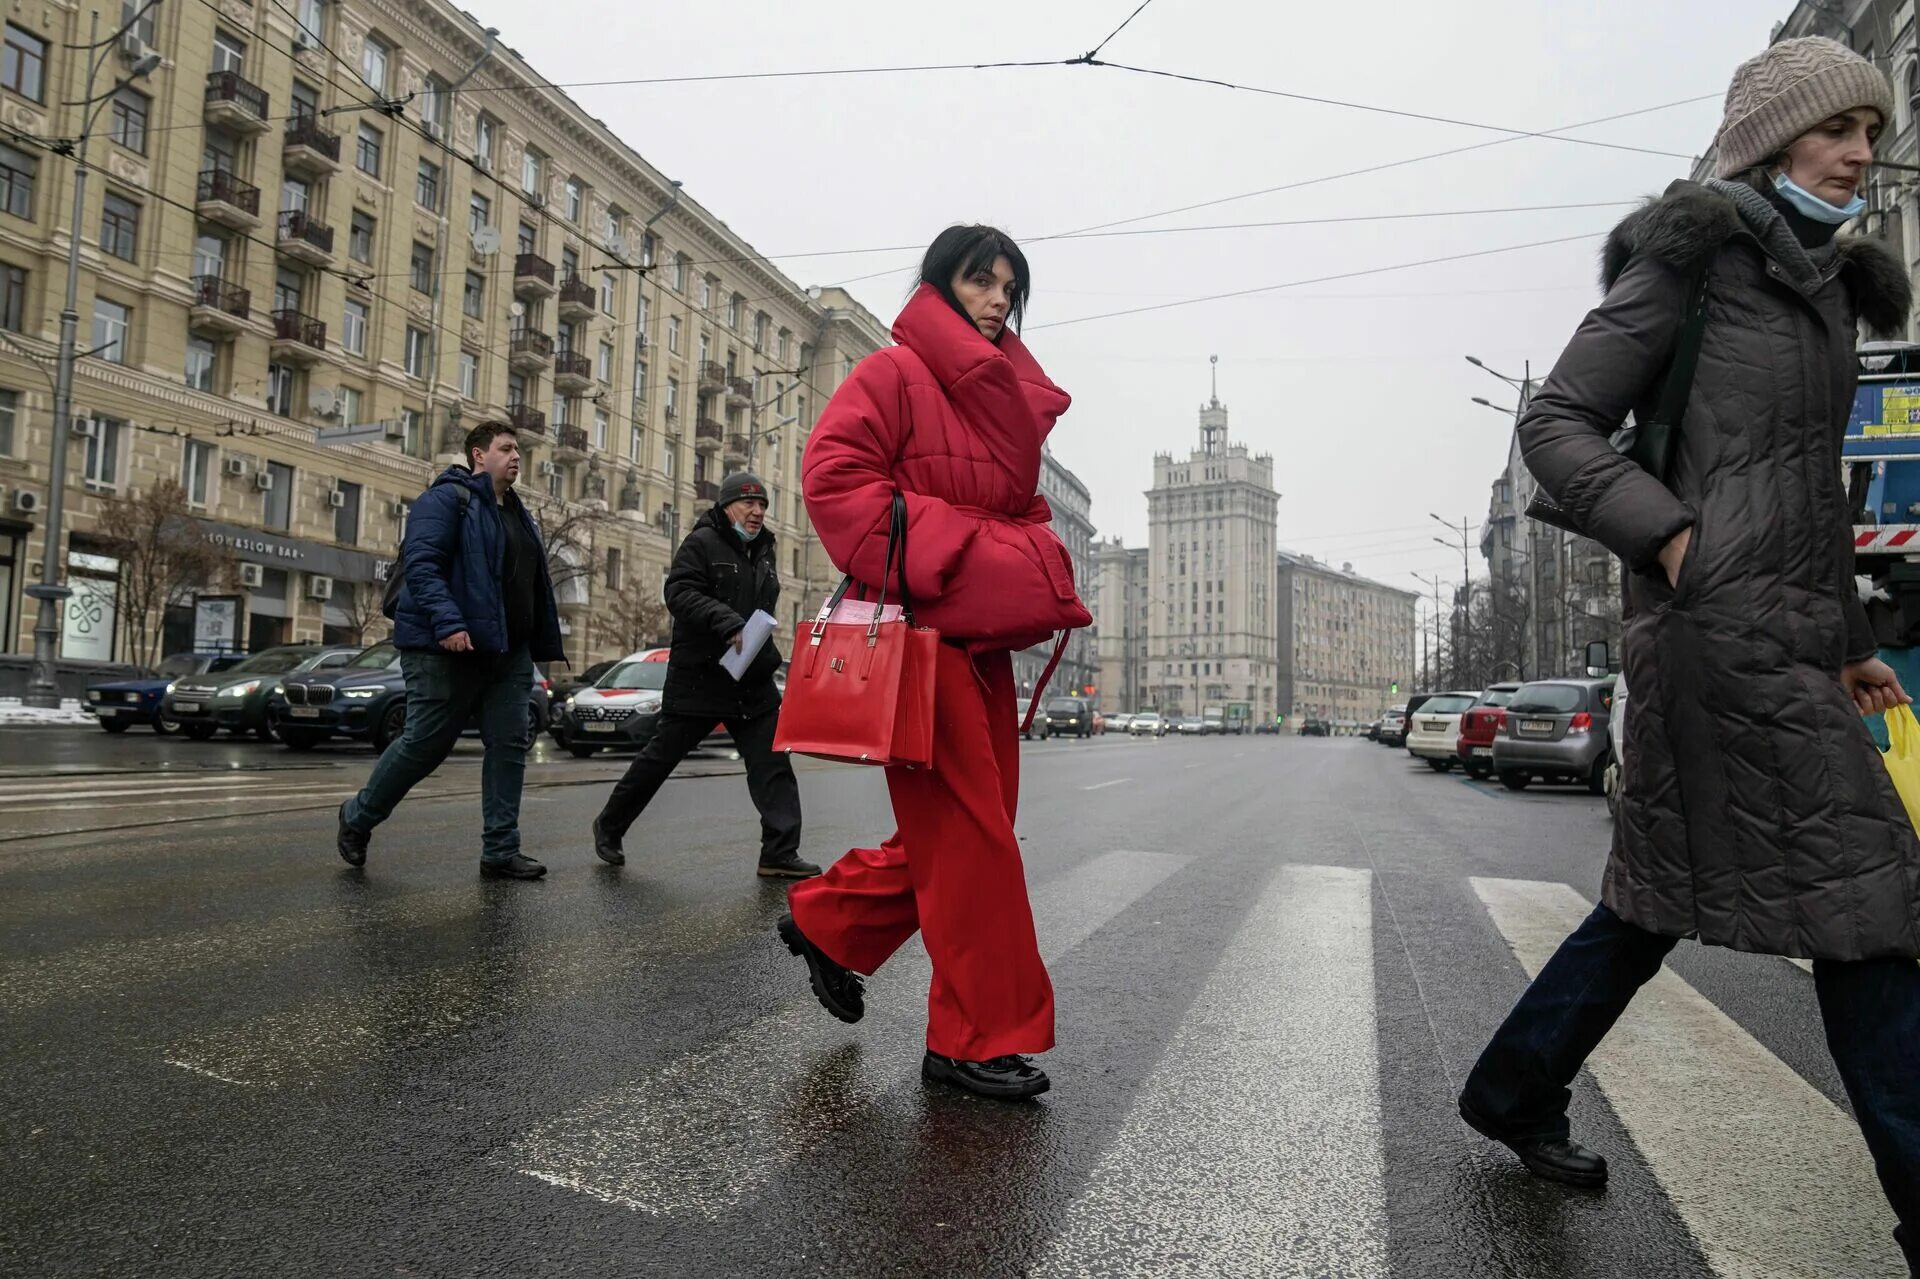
[1434, 582]
[43, 687]
[1463, 618]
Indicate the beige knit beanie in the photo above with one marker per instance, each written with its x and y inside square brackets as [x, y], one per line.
[1779, 95]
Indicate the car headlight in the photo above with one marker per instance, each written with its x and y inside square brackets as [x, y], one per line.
[239, 690]
[569, 701]
[361, 694]
[169, 687]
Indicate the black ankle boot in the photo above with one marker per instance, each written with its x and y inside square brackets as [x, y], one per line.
[1008, 1078]
[839, 989]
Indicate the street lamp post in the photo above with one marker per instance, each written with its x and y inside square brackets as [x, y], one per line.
[43, 687]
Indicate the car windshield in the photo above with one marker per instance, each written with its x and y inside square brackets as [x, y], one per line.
[1498, 696]
[1064, 705]
[325, 661]
[181, 664]
[646, 675]
[1548, 699]
[275, 661]
[1452, 704]
[377, 658]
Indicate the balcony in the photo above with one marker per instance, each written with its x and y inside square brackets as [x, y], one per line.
[218, 307]
[228, 200]
[235, 104]
[532, 276]
[706, 491]
[739, 452]
[529, 352]
[304, 240]
[527, 421]
[310, 149]
[740, 393]
[708, 435]
[570, 441]
[713, 377]
[572, 373]
[297, 338]
[577, 299]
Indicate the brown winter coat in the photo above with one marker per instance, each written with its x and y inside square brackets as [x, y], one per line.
[1755, 811]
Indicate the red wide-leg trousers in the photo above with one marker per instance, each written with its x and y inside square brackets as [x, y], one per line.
[952, 871]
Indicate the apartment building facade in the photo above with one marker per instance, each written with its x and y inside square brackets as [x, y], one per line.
[1345, 641]
[308, 264]
[1072, 505]
[1118, 599]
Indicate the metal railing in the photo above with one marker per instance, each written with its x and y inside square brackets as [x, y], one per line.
[531, 266]
[296, 225]
[222, 185]
[227, 86]
[212, 291]
[527, 421]
[292, 326]
[305, 131]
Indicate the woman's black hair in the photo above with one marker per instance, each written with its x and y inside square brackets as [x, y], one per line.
[962, 250]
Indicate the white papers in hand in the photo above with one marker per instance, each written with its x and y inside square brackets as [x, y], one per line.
[752, 640]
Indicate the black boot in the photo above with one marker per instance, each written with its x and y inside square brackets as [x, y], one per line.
[351, 843]
[1560, 1159]
[788, 867]
[607, 847]
[518, 866]
[839, 989]
[1008, 1078]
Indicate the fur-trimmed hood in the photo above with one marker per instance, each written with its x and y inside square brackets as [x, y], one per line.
[1689, 220]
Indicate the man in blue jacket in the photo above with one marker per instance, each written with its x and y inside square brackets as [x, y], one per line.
[474, 612]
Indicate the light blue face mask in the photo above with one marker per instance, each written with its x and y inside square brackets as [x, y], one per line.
[1813, 206]
[745, 536]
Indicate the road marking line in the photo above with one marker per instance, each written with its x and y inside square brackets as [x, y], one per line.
[341, 786]
[1771, 1177]
[1194, 765]
[1254, 1147]
[708, 1129]
[1118, 781]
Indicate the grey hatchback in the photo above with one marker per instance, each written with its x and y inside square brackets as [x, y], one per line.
[1556, 731]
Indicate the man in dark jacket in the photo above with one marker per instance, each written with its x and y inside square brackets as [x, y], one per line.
[723, 573]
[474, 612]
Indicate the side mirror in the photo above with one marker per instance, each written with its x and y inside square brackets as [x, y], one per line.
[1599, 658]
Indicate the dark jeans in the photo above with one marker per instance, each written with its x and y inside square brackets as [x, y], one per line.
[1519, 1087]
[770, 779]
[444, 692]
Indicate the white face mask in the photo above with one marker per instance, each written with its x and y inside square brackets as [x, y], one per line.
[1813, 206]
[745, 536]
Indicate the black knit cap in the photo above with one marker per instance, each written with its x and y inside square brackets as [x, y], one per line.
[740, 486]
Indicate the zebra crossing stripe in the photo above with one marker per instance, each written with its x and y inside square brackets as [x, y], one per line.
[1772, 1179]
[1254, 1148]
[707, 1129]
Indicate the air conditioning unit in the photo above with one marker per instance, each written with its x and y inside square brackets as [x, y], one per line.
[25, 502]
[483, 163]
[83, 428]
[397, 429]
[263, 480]
[645, 342]
[319, 588]
[336, 499]
[398, 510]
[236, 466]
[548, 470]
[302, 41]
[132, 47]
[535, 200]
[252, 576]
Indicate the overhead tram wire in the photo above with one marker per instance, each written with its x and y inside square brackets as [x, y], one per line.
[1094, 52]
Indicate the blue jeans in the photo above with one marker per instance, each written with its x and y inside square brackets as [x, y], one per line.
[444, 692]
[1871, 1009]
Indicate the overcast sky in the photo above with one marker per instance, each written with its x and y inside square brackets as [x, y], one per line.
[1357, 387]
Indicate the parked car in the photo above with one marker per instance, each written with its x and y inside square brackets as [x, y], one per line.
[363, 699]
[1480, 725]
[120, 704]
[1433, 731]
[1557, 731]
[1191, 726]
[1371, 730]
[1314, 726]
[1267, 727]
[1119, 721]
[238, 699]
[1393, 727]
[1147, 724]
[619, 709]
[1072, 716]
[560, 690]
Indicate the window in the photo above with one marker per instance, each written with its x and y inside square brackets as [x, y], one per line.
[706, 348]
[639, 378]
[525, 238]
[483, 136]
[312, 19]
[673, 334]
[111, 321]
[559, 413]
[647, 246]
[280, 389]
[645, 310]
[142, 26]
[600, 422]
[23, 68]
[200, 359]
[574, 200]
[127, 123]
[103, 454]
[426, 186]
[469, 375]
[636, 443]
[516, 390]
[613, 568]
[736, 312]
[479, 212]
[416, 354]
[296, 196]
[557, 484]
[276, 507]
[346, 516]
[680, 265]
[360, 239]
[607, 299]
[373, 65]
[119, 226]
[668, 462]
[530, 166]
[196, 471]
[366, 151]
[604, 369]
[229, 53]
[420, 268]
[16, 181]
[433, 105]
[673, 396]
[706, 292]
[288, 288]
[353, 328]
[349, 405]
[413, 437]
[473, 296]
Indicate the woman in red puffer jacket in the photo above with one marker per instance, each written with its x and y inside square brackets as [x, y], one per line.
[953, 418]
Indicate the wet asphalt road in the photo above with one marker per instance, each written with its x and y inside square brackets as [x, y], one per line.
[1275, 959]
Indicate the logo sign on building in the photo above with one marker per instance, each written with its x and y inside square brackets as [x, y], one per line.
[86, 633]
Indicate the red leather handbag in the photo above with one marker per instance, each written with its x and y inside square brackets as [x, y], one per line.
[861, 689]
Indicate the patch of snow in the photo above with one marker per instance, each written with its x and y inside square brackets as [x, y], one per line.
[16, 714]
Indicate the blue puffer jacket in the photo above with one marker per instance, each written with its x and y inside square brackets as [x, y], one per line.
[453, 559]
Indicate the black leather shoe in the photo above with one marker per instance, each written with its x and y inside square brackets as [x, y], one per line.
[1006, 1078]
[789, 867]
[1560, 1159]
[607, 847]
[839, 990]
[351, 843]
[514, 867]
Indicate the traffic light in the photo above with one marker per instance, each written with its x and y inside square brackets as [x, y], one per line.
[1395, 688]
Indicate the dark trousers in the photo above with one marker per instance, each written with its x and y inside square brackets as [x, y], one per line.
[770, 779]
[1871, 1009]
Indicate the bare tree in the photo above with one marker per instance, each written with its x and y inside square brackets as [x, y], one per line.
[164, 558]
[366, 622]
[635, 616]
[569, 532]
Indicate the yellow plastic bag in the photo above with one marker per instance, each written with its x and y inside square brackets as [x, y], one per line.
[1903, 759]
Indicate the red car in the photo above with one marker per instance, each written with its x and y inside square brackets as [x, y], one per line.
[1479, 726]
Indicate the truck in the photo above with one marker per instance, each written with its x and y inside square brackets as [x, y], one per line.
[1881, 454]
[1213, 719]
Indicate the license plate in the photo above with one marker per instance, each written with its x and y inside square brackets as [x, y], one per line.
[1482, 751]
[187, 708]
[598, 728]
[1536, 726]
[133, 698]
[303, 712]
[106, 710]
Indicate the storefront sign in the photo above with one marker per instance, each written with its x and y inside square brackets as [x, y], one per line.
[296, 553]
[86, 633]
[216, 624]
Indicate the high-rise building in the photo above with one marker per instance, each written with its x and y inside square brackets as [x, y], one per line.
[1073, 523]
[1345, 642]
[1211, 521]
[1119, 602]
[302, 224]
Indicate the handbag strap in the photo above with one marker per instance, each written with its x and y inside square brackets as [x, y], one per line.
[898, 533]
[1040, 689]
[896, 547]
[1672, 409]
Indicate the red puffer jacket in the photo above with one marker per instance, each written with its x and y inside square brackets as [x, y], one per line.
[955, 422]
